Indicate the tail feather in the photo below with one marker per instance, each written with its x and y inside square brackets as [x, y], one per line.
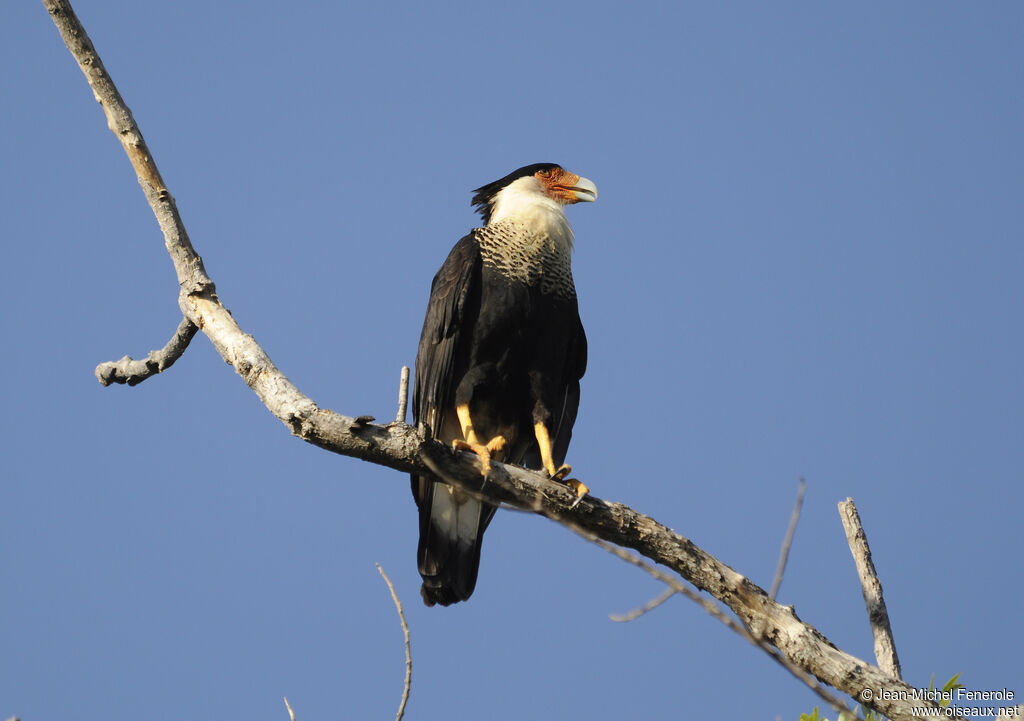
[451, 533]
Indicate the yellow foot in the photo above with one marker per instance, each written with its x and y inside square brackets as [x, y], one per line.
[495, 445]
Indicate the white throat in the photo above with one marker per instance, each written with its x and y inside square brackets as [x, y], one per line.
[525, 203]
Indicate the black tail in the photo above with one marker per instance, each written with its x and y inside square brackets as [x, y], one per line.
[451, 533]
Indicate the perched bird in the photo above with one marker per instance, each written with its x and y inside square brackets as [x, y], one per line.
[500, 360]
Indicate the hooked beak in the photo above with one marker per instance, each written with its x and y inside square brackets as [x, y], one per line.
[584, 191]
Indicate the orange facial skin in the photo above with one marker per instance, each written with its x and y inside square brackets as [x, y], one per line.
[560, 184]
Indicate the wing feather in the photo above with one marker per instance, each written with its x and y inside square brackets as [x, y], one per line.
[442, 356]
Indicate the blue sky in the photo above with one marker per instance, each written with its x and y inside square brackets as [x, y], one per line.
[805, 261]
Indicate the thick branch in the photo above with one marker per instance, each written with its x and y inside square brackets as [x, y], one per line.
[400, 447]
[674, 586]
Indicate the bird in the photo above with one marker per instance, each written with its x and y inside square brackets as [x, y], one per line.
[499, 362]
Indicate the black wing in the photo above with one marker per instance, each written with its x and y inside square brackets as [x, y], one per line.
[442, 358]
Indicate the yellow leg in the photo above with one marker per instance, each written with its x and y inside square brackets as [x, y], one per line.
[547, 458]
[544, 441]
[472, 444]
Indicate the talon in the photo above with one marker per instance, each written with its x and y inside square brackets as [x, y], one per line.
[562, 472]
[578, 487]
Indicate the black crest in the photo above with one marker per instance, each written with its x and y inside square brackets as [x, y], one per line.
[483, 195]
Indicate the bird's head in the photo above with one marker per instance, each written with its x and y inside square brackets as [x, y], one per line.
[532, 187]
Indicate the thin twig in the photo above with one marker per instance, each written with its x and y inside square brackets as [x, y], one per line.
[408, 651]
[403, 395]
[885, 646]
[788, 540]
[132, 372]
[291, 714]
[646, 608]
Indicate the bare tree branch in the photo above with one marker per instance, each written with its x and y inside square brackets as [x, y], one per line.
[398, 446]
[408, 650]
[403, 396]
[133, 372]
[291, 714]
[885, 646]
[787, 541]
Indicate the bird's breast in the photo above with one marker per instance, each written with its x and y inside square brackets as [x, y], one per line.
[542, 262]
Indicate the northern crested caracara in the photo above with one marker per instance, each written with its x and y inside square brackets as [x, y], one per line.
[500, 360]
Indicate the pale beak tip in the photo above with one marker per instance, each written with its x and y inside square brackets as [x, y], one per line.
[585, 191]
